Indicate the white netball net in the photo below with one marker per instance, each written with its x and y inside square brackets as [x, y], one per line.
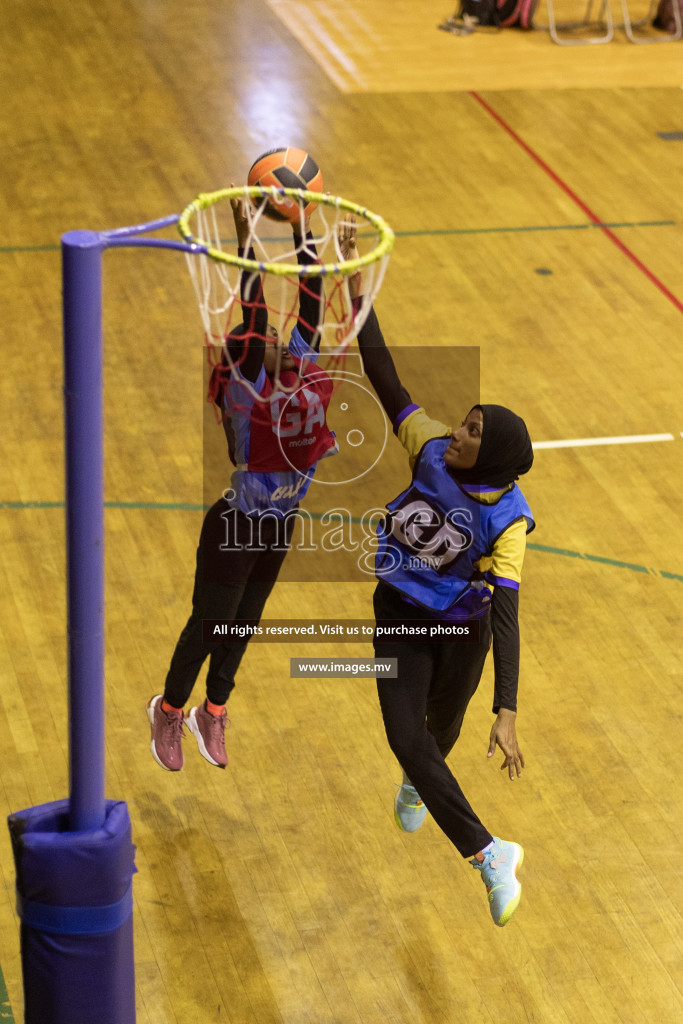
[282, 263]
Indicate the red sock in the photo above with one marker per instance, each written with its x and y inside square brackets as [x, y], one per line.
[165, 706]
[214, 709]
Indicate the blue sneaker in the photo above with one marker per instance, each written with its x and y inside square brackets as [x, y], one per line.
[499, 874]
[409, 811]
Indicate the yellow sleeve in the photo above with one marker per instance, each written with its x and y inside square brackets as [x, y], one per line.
[505, 565]
[416, 429]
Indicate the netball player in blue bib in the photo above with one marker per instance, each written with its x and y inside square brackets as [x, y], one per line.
[275, 439]
[450, 554]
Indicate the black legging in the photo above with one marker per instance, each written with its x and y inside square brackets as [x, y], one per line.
[233, 583]
[423, 710]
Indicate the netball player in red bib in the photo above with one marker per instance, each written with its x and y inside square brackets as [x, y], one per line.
[273, 401]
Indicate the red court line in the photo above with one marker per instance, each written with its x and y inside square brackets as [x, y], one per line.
[580, 203]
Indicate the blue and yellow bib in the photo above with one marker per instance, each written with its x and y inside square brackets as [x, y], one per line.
[435, 533]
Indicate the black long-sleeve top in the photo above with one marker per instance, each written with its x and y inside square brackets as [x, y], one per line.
[381, 371]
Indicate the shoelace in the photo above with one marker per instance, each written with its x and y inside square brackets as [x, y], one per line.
[217, 723]
[490, 867]
[174, 724]
[490, 861]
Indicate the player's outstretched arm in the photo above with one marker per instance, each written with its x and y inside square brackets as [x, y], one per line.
[247, 347]
[311, 292]
[506, 662]
[377, 361]
[254, 313]
[240, 219]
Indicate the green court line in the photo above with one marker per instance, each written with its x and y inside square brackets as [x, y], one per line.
[29, 248]
[535, 227]
[555, 551]
[5, 1008]
[620, 565]
[31, 504]
[604, 561]
[171, 506]
[520, 229]
[174, 506]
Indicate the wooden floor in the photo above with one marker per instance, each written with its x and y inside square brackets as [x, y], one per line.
[397, 47]
[539, 218]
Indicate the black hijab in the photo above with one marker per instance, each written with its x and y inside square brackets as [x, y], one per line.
[505, 452]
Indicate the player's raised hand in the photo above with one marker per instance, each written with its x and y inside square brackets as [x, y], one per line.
[346, 235]
[348, 247]
[240, 218]
[296, 223]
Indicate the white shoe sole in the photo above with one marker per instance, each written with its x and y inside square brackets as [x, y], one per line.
[191, 723]
[517, 861]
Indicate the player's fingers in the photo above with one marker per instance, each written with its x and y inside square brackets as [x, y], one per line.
[509, 763]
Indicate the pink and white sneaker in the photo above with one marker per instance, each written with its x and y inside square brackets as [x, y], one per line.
[209, 731]
[167, 735]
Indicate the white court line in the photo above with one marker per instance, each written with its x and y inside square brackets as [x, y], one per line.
[583, 442]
